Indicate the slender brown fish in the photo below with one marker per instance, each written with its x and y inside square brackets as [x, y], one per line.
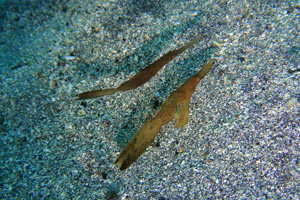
[144, 137]
[141, 77]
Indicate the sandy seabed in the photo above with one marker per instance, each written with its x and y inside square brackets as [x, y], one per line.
[242, 138]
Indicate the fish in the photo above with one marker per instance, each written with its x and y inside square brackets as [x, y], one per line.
[175, 106]
[141, 77]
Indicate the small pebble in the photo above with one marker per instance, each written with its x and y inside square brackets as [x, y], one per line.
[291, 102]
[70, 57]
[52, 84]
[81, 113]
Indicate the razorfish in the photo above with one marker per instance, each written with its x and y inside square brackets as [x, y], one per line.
[141, 77]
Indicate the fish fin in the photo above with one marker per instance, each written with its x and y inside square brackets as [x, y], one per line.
[182, 115]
